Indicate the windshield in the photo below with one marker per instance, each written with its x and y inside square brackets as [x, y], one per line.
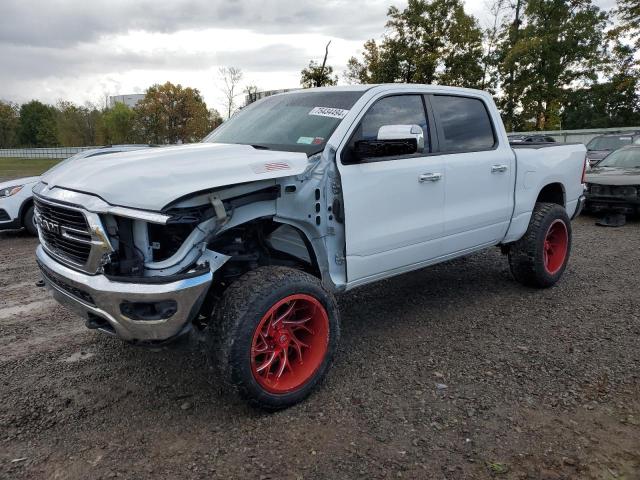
[294, 122]
[608, 143]
[623, 159]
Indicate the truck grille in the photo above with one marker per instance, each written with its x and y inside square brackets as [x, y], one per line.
[64, 232]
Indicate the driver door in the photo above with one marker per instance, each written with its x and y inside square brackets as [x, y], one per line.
[394, 206]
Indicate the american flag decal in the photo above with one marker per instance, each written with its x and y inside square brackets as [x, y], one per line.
[270, 167]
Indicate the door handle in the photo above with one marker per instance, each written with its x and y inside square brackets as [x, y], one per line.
[498, 168]
[430, 177]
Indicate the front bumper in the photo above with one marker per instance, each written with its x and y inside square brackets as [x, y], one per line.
[615, 204]
[96, 296]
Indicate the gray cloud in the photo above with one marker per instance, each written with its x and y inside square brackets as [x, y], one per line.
[52, 23]
[26, 62]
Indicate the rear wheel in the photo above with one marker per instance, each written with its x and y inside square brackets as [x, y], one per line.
[274, 335]
[540, 257]
[29, 221]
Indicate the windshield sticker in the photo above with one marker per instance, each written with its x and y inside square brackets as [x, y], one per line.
[329, 112]
[305, 140]
[318, 140]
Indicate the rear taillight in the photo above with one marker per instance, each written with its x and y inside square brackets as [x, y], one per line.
[584, 171]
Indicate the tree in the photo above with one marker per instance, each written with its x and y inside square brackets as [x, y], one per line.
[315, 75]
[629, 13]
[507, 60]
[171, 114]
[37, 126]
[614, 102]
[318, 75]
[560, 46]
[9, 122]
[118, 124]
[215, 119]
[492, 36]
[75, 125]
[430, 41]
[231, 77]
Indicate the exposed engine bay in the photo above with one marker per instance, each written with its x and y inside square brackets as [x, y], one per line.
[230, 230]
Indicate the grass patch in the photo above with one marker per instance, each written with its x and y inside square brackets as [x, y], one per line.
[24, 167]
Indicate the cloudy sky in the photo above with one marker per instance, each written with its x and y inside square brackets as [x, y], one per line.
[83, 50]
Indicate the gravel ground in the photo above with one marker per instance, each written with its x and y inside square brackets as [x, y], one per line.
[451, 372]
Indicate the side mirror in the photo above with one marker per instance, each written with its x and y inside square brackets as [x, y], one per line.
[392, 140]
[402, 132]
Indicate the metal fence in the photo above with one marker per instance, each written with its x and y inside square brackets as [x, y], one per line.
[57, 152]
[579, 136]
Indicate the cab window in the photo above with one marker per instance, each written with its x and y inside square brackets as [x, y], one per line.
[463, 123]
[400, 111]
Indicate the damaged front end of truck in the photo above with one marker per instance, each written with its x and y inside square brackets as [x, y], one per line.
[151, 277]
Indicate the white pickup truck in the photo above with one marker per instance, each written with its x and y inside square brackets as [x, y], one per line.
[242, 241]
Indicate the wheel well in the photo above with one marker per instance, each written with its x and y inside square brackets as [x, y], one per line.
[552, 193]
[24, 208]
[252, 241]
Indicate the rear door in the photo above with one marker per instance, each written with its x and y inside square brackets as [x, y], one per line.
[480, 173]
[394, 206]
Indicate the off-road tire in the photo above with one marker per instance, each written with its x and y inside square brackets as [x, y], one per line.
[27, 222]
[236, 318]
[527, 257]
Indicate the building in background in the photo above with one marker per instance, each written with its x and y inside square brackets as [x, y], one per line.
[129, 100]
[255, 96]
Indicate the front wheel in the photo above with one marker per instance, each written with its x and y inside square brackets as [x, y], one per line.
[274, 335]
[29, 222]
[540, 257]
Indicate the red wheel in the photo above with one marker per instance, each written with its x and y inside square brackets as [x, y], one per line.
[290, 343]
[540, 257]
[274, 335]
[555, 246]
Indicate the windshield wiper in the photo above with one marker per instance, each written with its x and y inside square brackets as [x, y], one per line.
[260, 147]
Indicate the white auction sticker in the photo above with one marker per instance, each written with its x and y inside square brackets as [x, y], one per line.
[329, 112]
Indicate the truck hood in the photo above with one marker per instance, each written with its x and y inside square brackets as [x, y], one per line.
[152, 178]
[614, 176]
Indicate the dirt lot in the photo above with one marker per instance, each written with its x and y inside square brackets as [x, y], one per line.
[451, 372]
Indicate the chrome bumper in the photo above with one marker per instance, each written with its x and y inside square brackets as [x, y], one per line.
[101, 297]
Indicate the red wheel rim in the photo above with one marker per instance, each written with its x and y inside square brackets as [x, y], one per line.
[555, 246]
[290, 343]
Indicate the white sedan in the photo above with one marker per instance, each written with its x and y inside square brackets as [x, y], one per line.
[16, 207]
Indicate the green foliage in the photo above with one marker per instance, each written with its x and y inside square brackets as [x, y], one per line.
[117, 126]
[76, 126]
[559, 47]
[215, 119]
[171, 114]
[629, 13]
[37, 126]
[316, 76]
[9, 122]
[611, 103]
[430, 41]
